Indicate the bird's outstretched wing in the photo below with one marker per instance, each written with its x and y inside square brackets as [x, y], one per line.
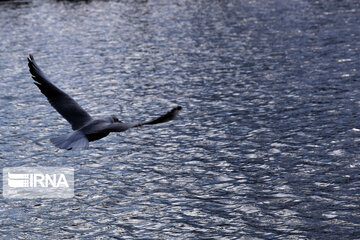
[164, 118]
[62, 102]
[121, 127]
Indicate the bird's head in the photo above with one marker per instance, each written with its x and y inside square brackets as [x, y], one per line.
[115, 119]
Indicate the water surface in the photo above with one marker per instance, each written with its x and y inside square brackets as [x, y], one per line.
[265, 148]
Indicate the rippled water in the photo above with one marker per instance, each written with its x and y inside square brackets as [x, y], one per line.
[267, 146]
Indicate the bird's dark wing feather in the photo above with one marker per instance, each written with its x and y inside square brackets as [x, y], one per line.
[62, 102]
[162, 119]
[121, 127]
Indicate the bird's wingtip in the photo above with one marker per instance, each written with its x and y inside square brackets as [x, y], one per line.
[30, 58]
[178, 108]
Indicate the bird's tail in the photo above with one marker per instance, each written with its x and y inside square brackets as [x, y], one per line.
[74, 140]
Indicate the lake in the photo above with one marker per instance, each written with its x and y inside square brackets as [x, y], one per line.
[267, 143]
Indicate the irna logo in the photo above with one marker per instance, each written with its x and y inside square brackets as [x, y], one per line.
[38, 182]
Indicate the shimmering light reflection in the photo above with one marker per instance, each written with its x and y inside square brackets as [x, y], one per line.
[267, 144]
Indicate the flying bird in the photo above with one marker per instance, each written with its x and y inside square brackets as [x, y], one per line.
[86, 128]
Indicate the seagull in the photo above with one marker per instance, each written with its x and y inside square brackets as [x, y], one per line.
[86, 128]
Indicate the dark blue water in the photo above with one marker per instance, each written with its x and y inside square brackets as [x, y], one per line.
[267, 146]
